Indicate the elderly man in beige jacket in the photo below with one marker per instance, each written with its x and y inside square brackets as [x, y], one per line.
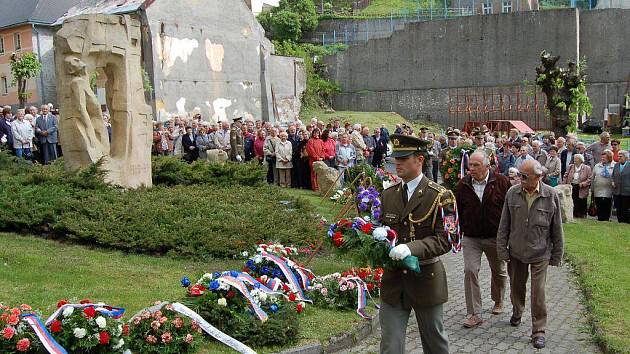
[530, 238]
[358, 143]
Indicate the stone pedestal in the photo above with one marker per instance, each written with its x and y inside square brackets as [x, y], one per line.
[327, 178]
[566, 201]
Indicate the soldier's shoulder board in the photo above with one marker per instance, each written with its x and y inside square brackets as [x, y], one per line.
[437, 187]
[396, 185]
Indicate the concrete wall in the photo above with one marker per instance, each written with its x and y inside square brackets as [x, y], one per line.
[43, 47]
[211, 54]
[288, 83]
[412, 71]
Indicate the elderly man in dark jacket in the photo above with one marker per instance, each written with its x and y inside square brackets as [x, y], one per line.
[530, 238]
[621, 187]
[480, 196]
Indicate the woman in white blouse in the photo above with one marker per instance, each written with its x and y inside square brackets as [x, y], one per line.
[579, 176]
[22, 135]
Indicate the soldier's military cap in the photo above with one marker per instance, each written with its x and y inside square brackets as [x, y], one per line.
[405, 145]
[237, 119]
[424, 128]
[452, 134]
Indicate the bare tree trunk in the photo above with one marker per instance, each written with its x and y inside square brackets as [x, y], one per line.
[559, 122]
[22, 93]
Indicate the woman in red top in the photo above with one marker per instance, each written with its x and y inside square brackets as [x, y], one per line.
[330, 148]
[315, 151]
[258, 145]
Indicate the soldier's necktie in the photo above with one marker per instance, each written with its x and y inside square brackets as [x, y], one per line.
[405, 194]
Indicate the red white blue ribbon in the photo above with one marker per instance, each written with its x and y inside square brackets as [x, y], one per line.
[204, 325]
[274, 284]
[284, 267]
[103, 309]
[451, 228]
[49, 343]
[464, 164]
[362, 294]
[246, 278]
[240, 286]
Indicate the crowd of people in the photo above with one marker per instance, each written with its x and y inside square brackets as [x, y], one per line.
[289, 152]
[596, 170]
[30, 134]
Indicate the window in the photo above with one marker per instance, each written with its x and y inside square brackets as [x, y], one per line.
[507, 6]
[5, 86]
[17, 40]
[486, 8]
[1, 45]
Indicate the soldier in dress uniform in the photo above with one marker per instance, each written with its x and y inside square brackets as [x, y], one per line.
[453, 137]
[414, 209]
[237, 146]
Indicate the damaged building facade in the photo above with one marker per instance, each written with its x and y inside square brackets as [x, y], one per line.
[209, 56]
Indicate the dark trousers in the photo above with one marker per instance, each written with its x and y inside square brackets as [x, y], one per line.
[579, 204]
[49, 152]
[622, 202]
[436, 168]
[604, 205]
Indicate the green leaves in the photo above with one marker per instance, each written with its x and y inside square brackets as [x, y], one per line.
[290, 19]
[200, 210]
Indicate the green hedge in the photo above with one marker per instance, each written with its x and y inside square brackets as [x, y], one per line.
[207, 220]
[173, 171]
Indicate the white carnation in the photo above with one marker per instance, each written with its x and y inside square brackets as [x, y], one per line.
[258, 259]
[262, 296]
[119, 345]
[101, 322]
[222, 302]
[380, 233]
[80, 332]
[245, 254]
[68, 311]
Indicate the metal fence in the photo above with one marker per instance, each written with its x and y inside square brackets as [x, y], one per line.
[382, 25]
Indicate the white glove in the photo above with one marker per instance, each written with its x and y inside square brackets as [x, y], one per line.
[399, 252]
[239, 158]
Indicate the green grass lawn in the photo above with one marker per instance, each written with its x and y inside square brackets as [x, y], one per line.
[40, 272]
[600, 252]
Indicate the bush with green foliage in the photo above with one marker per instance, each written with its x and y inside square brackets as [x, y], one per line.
[290, 20]
[319, 91]
[173, 171]
[197, 220]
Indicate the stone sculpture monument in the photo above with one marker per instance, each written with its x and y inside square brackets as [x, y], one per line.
[327, 178]
[111, 43]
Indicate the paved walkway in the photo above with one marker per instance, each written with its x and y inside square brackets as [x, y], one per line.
[566, 333]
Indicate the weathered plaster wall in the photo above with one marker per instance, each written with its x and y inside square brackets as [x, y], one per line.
[210, 54]
[288, 83]
[43, 48]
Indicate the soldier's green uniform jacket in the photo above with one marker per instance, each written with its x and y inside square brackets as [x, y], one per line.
[237, 146]
[419, 225]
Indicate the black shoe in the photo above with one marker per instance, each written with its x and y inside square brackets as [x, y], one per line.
[538, 342]
[515, 321]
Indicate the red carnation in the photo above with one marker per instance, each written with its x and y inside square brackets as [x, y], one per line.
[125, 330]
[23, 345]
[25, 308]
[13, 320]
[292, 297]
[230, 294]
[61, 303]
[197, 290]
[338, 239]
[370, 286]
[299, 308]
[89, 312]
[85, 301]
[55, 327]
[285, 287]
[103, 338]
[8, 333]
[367, 228]
[245, 270]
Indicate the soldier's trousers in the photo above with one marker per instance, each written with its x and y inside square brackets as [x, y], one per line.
[394, 319]
[519, 272]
